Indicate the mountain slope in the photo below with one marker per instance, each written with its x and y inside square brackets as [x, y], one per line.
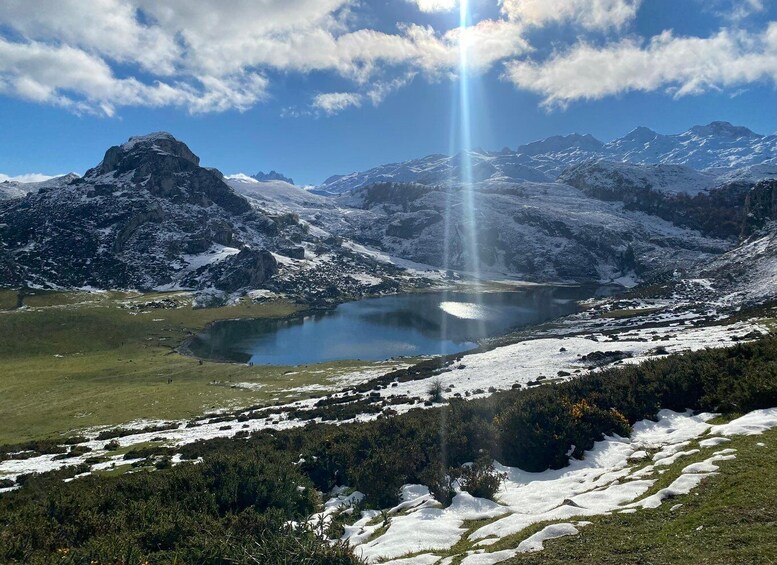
[15, 189]
[536, 231]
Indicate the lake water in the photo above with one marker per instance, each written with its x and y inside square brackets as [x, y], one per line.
[374, 329]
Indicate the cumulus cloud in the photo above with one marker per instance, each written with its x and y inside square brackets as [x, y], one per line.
[71, 78]
[335, 102]
[680, 65]
[212, 55]
[431, 6]
[590, 14]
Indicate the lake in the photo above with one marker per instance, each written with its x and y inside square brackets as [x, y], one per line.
[406, 325]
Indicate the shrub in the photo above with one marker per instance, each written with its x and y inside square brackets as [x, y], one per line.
[435, 391]
[481, 479]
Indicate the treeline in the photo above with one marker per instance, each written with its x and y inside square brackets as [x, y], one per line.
[236, 503]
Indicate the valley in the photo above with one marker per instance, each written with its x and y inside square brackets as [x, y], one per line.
[157, 312]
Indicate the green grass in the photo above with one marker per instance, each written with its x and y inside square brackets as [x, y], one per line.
[77, 360]
[729, 518]
[629, 313]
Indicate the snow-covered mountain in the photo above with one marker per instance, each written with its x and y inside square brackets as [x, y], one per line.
[149, 216]
[719, 148]
[536, 231]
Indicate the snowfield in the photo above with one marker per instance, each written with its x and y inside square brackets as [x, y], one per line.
[610, 478]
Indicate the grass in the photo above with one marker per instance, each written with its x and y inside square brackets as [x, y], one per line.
[76, 360]
[629, 313]
[730, 518]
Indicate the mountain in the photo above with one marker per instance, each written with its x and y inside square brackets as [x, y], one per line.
[535, 231]
[147, 216]
[272, 175]
[719, 148]
[15, 189]
[748, 273]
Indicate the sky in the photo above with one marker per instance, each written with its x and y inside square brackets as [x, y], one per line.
[313, 88]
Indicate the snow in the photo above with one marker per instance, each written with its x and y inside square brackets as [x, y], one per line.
[713, 442]
[488, 558]
[535, 542]
[606, 480]
[423, 559]
[754, 423]
[215, 254]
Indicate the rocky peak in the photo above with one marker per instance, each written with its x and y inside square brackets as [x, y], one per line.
[722, 129]
[561, 143]
[138, 150]
[271, 176]
[167, 168]
[640, 135]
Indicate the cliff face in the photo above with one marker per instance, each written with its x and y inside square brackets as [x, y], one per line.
[760, 207]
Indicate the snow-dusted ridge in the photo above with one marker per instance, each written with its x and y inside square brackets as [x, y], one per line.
[718, 147]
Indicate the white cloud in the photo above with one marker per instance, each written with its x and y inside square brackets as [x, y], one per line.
[381, 89]
[431, 6]
[734, 11]
[212, 55]
[591, 14]
[27, 177]
[335, 102]
[74, 79]
[679, 65]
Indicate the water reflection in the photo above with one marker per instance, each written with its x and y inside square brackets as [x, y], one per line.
[382, 328]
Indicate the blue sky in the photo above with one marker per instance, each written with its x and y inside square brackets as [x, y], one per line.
[313, 88]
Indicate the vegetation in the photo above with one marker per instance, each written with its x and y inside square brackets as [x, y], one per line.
[211, 512]
[75, 360]
[730, 518]
[231, 509]
[435, 391]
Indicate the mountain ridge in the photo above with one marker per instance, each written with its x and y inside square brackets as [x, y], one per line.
[718, 147]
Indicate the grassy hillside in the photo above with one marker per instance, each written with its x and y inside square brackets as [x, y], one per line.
[730, 518]
[74, 360]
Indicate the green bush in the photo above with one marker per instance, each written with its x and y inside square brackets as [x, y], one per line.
[481, 479]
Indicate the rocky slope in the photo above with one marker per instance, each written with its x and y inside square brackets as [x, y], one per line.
[536, 231]
[748, 273]
[147, 216]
